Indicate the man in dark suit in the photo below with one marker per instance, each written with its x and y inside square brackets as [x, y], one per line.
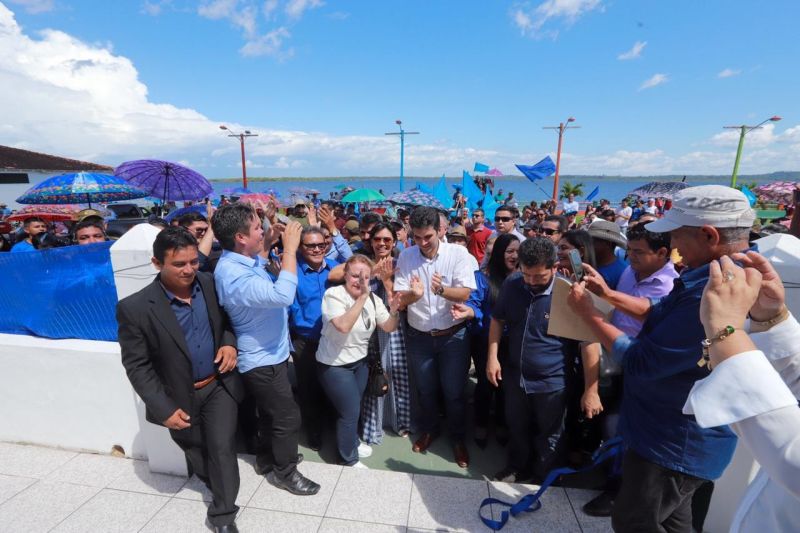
[180, 356]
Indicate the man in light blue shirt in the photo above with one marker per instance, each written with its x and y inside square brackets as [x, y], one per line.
[258, 310]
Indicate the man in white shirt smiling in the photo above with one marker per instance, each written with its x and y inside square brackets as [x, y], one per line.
[438, 348]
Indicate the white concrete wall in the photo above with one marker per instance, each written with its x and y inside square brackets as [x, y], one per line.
[9, 192]
[67, 394]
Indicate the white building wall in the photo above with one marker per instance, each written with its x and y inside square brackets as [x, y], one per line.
[9, 192]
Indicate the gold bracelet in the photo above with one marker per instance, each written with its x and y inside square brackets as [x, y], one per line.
[723, 334]
[757, 326]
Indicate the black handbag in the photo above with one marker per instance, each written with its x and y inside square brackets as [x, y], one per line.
[378, 381]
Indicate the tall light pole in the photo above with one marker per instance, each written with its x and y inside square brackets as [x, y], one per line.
[562, 126]
[241, 137]
[744, 130]
[402, 133]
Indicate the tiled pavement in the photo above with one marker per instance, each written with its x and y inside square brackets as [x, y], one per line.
[44, 489]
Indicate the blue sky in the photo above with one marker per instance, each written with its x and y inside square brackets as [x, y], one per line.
[650, 83]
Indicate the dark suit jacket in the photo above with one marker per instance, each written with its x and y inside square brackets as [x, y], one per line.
[155, 354]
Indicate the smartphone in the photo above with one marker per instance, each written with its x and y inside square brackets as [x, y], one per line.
[577, 264]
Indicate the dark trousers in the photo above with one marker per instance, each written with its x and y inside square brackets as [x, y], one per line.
[210, 447]
[279, 416]
[653, 498]
[536, 428]
[345, 386]
[487, 395]
[439, 363]
[309, 392]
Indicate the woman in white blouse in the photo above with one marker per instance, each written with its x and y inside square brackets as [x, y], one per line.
[754, 385]
[350, 314]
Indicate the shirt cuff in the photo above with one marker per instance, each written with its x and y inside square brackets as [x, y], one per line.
[780, 341]
[740, 387]
[620, 346]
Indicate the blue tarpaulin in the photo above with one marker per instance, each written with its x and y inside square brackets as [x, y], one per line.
[540, 170]
[61, 293]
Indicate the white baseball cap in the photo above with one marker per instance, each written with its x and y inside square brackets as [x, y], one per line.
[706, 205]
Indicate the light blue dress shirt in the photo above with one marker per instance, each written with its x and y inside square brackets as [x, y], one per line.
[340, 251]
[258, 308]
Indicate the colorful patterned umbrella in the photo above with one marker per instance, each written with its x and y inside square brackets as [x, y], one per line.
[659, 189]
[494, 172]
[362, 195]
[165, 180]
[51, 213]
[779, 192]
[81, 187]
[259, 197]
[417, 198]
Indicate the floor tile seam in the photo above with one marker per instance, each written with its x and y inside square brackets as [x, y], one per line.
[156, 513]
[333, 493]
[253, 495]
[92, 497]
[131, 491]
[20, 492]
[65, 463]
[410, 498]
[572, 506]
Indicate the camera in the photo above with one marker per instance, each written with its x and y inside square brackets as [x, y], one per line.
[46, 240]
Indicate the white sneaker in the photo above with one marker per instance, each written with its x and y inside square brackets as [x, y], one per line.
[364, 450]
[360, 465]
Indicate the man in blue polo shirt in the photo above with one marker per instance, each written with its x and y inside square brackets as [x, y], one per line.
[258, 311]
[32, 226]
[535, 373]
[668, 455]
[305, 325]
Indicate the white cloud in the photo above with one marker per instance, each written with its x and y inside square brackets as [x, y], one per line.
[633, 53]
[35, 6]
[728, 73]
[67, 97]
[654, 81]
[269, 7]
[241, 15]
[295, 8]
[530, 21]
[269, 44]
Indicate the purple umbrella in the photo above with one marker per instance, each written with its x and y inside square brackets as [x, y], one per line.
[165, 180]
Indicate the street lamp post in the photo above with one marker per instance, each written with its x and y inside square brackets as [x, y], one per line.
[562, 126]
[402, 135]
[744, 130]
[241, 137]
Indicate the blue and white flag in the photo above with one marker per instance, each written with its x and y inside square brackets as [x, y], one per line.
[480, 167]
[542, 169]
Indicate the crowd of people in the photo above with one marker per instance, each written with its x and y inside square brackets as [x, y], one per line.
[385, 316]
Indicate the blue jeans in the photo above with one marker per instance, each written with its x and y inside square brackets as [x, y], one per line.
[440, 362]
[345, 386]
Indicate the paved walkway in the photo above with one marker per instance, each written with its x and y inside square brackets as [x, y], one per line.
[45, 489]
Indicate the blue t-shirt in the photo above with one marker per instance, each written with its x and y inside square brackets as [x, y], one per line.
[611, 273]
[537, 361]
[23, 246]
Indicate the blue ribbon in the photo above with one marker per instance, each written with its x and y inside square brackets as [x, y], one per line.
[530, 502]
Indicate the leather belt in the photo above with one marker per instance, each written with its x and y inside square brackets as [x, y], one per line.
[203, 382]
[443, 332]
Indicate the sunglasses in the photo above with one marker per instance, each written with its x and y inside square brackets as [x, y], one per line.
[384, 240]
[548, 231]
[503, 219]
[314, 245]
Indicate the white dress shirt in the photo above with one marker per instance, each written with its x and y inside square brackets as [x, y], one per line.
[756, 393]
[453, 263]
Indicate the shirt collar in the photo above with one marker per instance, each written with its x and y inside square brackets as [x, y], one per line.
[658, 274]
[171, 296]
[243, 259]
[307, 268]
[693, 277]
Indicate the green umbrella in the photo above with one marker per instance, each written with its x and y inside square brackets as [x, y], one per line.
[363, 195]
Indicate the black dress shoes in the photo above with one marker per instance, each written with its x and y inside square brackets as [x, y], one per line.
[602, 505]
[297, 484]
[229, 528]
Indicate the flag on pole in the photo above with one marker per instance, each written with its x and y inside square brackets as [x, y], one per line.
[593, 194]
[425, 188]
[542, 169]
[470, 190]
[441, 193]
[480, 167]
[489, 206]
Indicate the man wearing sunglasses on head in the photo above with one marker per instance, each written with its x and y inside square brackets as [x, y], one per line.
[505, 221]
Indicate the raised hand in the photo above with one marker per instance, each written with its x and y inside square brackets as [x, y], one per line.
[771, 294]
[325, 215]
[730, 293]
[291, 237]
[395, 302]
[270, 211]
[436, 283]
[417, 288]
[312, 216]
[364, 284]
[595, 282]
[384, 269]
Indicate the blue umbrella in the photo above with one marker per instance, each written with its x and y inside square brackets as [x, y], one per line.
[81, 187]
[165, 180]
[416, 197]
[197, 208]
[236, 191]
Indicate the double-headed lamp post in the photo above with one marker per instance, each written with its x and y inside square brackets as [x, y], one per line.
[402, 133]
[241, 137]
[563, 126]
[744, 130]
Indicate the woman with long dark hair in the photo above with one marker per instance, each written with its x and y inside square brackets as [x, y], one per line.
[487, 398]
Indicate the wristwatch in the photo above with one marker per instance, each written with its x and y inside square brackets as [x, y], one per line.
[439, 291]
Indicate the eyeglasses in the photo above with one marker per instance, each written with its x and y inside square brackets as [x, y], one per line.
[314, 245]
[384, 240]
[548, 231]
[503, 219]
[477, 215]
